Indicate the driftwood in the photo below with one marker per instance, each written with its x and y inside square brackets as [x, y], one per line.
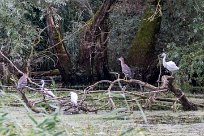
[166, 85]
[87, 103]
[187, 105]
[29, 103]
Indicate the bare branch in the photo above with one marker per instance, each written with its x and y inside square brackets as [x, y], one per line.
[19, 71]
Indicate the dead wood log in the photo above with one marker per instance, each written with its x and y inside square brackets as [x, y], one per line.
[29, 103]
[187, 105]
[166, 85]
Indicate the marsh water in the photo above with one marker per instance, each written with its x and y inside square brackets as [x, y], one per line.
[159, 123]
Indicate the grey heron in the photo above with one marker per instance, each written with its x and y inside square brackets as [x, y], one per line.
[125, 68]
[22, 82]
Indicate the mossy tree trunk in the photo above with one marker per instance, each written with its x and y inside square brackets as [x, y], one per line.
[142, 52]
[57, 45]
[93, 59]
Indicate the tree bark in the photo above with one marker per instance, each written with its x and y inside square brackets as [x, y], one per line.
[142, 52]
[187, 105]
[56, 41]
[93, 57]
[28, 103]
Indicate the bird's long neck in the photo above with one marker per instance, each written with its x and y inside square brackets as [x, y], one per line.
[25, 76]
[43, 84]
[122, 62]
[164, 60]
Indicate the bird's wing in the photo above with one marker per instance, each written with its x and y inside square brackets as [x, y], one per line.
[50, 93]
[74, 97]
[126, 70]
[172, 65]
[22, 82]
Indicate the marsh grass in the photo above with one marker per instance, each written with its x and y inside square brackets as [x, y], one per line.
[19, 120]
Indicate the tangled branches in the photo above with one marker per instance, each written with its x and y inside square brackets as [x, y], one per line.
[92, 100]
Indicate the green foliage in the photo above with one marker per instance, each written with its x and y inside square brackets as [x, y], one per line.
[6, 127]
[95, 4]
[48, 126]
[191, 62]
[18, 32]
[45, 127]
[182, 32]
[123, 27]
[73, 20]
[75, 16]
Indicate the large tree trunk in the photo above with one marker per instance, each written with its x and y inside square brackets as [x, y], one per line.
[142, 52]
[56, 42]
[93, 57]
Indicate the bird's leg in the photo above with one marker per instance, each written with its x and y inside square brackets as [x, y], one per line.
[172, 74]
[141, 88]
[125, 77]
[44, 98]
[74, 105]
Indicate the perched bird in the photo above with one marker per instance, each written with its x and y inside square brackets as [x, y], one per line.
[125, 69]
[170, 65]
[48, 93]
[74, 98]
[22, 82]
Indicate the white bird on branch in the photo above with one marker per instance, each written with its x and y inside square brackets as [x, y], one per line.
[74, 98]
[47, 93]
[170, 65]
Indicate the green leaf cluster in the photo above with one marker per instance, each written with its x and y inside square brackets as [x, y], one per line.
[182, 31]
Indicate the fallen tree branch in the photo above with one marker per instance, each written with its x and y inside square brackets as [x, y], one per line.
[19, 71]
[166, 84]
[29, 103]
[187, 105]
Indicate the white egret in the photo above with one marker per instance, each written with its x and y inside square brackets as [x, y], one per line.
[74, 98]
[125, 69]
[170, 65]
[48, 93]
